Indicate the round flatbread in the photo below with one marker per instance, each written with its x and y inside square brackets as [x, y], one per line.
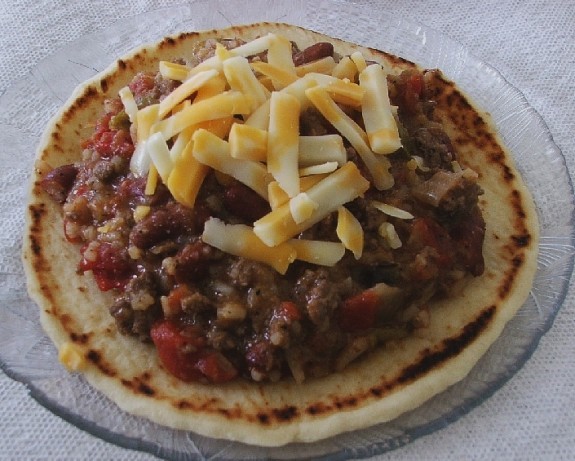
[388, 382]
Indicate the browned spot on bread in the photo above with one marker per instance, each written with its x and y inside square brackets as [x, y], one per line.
[183, 404]
[83, 100]
[507, 283]
[37, 212]
[35, 245]
[121, 64]
[104, 85]
[81, 338]
[450, 347]
[169, 41]
[96, 358]
[143, 388]
[517, 203]
[521, 240]
[139, 385]
[285, 414]
[65, 319]
[93, 356]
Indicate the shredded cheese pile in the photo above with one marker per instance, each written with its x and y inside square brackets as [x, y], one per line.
[242, 118]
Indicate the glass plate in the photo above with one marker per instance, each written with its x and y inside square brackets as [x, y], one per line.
[28, 356]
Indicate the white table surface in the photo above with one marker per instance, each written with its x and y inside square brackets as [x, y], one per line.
[533, 44]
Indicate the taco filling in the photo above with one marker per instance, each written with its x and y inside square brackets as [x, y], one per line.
[266, 212]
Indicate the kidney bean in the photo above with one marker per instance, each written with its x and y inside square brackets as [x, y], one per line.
[243, 202]
[165, 223]
[192, 261]
[132, 192]
[313, 53]
[59, 182]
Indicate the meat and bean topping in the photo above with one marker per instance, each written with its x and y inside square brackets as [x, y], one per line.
[214, 316]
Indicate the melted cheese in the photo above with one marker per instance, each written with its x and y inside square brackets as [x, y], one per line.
[359, 61]
[345, 69]
[314, 150]
[376, 111]
[174, 71]
[389, 234]
[261, 115]
[185, 90]
[346, 92]
[129, 103]
[184, 137]
[151, 181]
[243, 123]
[240, 240]
[318, 252]
[187, 177]
[220, 106]
[280, 56]
[349, 231]
[140, 212]
[321, 66]
[322, 168]
[216, 153]
[248, 142]
[392, 211]
[277, 196]
[377, 166]
[145, 119]
[283, 141]
[157, 149]
[241, 78]
[222, 52]
[257, 46]
[341, 186]
[302, 207]
[71, 357]
[279, 77]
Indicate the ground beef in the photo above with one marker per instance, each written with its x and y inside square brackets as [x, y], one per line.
[319, 295]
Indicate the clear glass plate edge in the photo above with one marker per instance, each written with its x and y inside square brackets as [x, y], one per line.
[375, 448]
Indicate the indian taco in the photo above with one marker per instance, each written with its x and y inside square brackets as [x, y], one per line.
[269, 235]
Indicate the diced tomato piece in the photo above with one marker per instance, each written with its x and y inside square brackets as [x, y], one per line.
[183, 352]
[108, 142]
[103, 124]
[428, 232]
[410, 87]
[469, 235]
[122, 144]
[289, 311]
[215, 367]
[111, 269]
[175, 298]
[176, 351]
[359, 312]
